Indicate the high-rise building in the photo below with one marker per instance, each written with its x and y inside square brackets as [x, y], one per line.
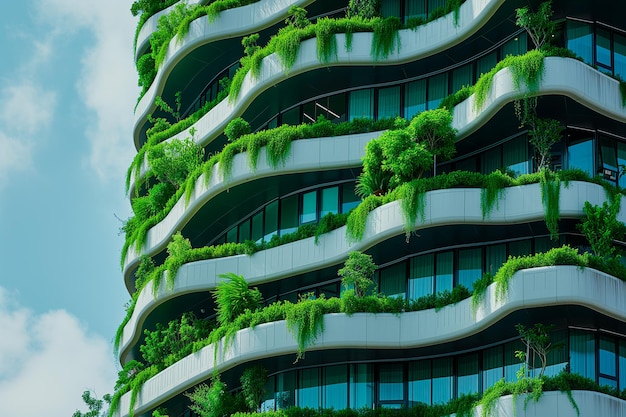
[344, 76]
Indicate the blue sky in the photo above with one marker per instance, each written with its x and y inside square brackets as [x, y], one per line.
[67, 91]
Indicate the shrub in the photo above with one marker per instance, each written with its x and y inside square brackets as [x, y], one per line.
[357, 273]
[232, 297]
[236, 128]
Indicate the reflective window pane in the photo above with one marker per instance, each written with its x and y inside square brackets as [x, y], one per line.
[309, 388]
[361, 104]
[330, 201]
[444, 271]
[309, 207]
[603, 47]
[361, 386]
[349, 200]
[392, 280]
[442, 380]
[336, 387]
[470, 266]
[389, 102]
[467, 378]
[271, 220]
[437, 89]
[414, 98]
[580, 40]
[582, 349]
[580, 155]
[288, 215]
[421, 280]
[493, 362]
[390, 386]
[419, 382]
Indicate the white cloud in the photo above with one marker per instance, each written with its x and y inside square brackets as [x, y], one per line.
[108, 84]
[47, 361]
[26, 110]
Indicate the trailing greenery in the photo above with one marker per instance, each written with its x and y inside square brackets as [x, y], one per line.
[601, 228]
[386, 38]
[136, 228]
[550, 191]
[233, 297]
[527, 69]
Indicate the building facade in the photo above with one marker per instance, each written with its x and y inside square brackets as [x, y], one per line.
[386, 360]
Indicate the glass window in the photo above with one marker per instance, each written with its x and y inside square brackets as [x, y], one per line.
[608, 155]
[336, 387]
[557, 358]
[435, 4]
[414, 98]
[515, 155]
[516, 46]
[309, 207]
[607, 360]
[389, 102]
[336, 108]
[580, 40]
[391, 386]
[603, 48]
[493, 361]
[442, 380]
[271, 220]
[288, 215]
[361, 386]
[309, 112]
[622, 364]
[621, 160]
[582, 351]
[461, 77]
[291, 117]
[580, 153]
[415, 9]
[619, 55]
[467, 379]
[244, 231]
[330, 201]
[486, 63]
[421, 279]
[491, 160]
[257, 227]
[361, 104]
[419, 383]
[511, 363]
[309, 388]
[390, 8]
[392, 280]
[467, 164]
[285, 386]
[444, 271]
[349, 200]
[520, 247]
[268, 402]
[231, 235]
[470, 266]
[437, 89]
[495, 256]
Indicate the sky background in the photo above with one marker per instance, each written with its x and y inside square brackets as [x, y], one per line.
[67, 92]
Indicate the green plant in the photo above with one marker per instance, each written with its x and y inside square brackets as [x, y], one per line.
[434, 129]
[253, 382]
[232, 297]
[544, 134]
[236, 128]
[357, 273]
[94, 405]
[479, 290]
[365, 9]
[214, 400]
[495, 183]
[601, 228]
[173, 161]
[386, 37]
[531, 387]
[550, 192]
[160, 412]
[538, 25]
[538, 343]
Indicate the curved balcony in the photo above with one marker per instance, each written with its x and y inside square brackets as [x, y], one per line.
[562, 76]
[230, 23]
[426, 40]
[531, 288]
[307, 155]
[150, 26]
[519, 204]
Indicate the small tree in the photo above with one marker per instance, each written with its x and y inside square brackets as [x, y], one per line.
[297, 18]
[544, 134]
[94, 405]
[538, 343]
[357, 273]
[538, 25]
[253, 382]
[601, 228]
[373, 180]
[233, 297]
[433, 128]
[173, 161]
[403, 158]
[214, 400]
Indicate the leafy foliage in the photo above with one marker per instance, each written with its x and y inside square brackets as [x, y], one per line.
[365, 9]
[172, 162]
[538, 343]
[550, 194]
[236, 128]
[601, 228]
[253, 382]
[233, 297]
[214, 400]
[386, 37]
[357, 273]
[544, 134]
[94, 405]
[538, 25]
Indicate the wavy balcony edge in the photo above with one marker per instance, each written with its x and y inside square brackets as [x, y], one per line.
[448, 206]
[531, 288]
[426, 40]
[563, 76]
[307, 155]
[230, 23]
